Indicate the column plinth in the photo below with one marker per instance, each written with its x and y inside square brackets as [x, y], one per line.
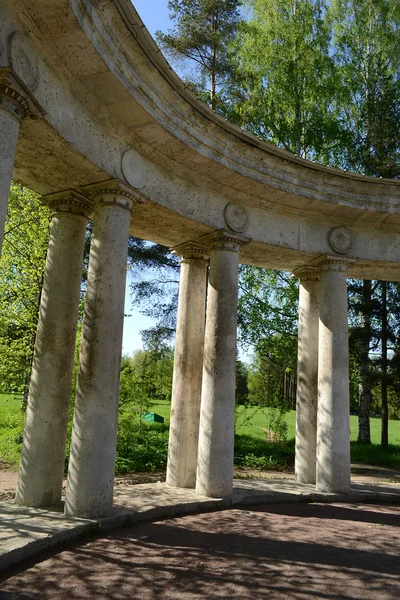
[188, 366]
[93, 445]
[333, 426]
[43, 451]
[307, 374]
[217, 415]
[13, 109]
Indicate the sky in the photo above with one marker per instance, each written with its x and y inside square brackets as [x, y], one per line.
[154, 14]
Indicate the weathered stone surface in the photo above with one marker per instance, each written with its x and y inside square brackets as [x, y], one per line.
[307, 375]
[188, 366]
[105, 88]
[93, 444]
[216, 435]
[43, 451]
[333, 430]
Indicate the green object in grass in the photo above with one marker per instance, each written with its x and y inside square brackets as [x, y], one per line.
[152, 417]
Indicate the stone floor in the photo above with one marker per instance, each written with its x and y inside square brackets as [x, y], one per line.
[25, 532]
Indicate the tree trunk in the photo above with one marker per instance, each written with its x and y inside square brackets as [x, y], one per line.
[364, 385]
[384, 394]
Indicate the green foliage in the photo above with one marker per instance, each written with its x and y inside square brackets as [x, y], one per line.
[21, 276]
[11, 428]
[202, 32]
[286, 76]
[140, 450]
[242, 388]
[367, 58]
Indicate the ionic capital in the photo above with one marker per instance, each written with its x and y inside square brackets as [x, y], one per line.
[307, 273]
[70, 202]
[327, 262]
[112, 192]
[224, 240]
[191, 251]
[12, 101]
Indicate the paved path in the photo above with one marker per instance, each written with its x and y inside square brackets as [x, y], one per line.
[24, 532]
[278, 551]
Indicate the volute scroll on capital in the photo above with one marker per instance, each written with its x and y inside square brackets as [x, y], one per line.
[191, 250]
[224, 240]
[69, 201]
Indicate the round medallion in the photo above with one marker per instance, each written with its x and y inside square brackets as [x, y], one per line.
[341, 240]
[23, 60]
[236, 217]
[134, 169]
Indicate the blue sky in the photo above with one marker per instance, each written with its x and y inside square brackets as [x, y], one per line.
[154, 14]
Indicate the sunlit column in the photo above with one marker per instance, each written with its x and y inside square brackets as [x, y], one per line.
[13, 109]
[307, 374]
[93, 445]
[217, 414]
[188, 366]
[43, 450]
[333, 425]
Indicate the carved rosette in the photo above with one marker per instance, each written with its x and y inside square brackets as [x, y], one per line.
[23, 60]
[12, 101]
[307, 273]
[236, 217]
[70, 202]
[112, 193]
[340, 240]
[191, 251]
[224, 240]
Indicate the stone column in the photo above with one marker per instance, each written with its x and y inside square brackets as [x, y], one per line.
[307, 374]
[333, 427]
[13, 109]
[188, 366]
[216, 435]
[43, 451]
[92, 459]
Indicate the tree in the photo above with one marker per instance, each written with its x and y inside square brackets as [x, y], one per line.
[367, 55]
[21, 278]
[286, 76]
[154, 288]
[242, 388]
[366, 51]
[202, 32]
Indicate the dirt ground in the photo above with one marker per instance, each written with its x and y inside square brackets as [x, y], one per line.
[287, 551]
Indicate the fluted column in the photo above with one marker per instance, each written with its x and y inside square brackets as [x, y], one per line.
[217, 415]
[188, 366]
[307, 374]
[43, 450]
[13, 109]
[93, 445]
[333, 426]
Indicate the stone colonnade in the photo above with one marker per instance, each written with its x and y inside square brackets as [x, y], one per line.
[202, 413]
[322, 410]
[92, 457]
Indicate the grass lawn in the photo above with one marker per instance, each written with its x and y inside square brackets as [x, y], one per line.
[251, 449]
[11, 427]
[249, 421]
[251, 446]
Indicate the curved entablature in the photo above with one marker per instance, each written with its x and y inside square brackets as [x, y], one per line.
[108, 105]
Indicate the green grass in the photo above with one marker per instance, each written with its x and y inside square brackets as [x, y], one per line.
[11, 427]
[251, 449]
